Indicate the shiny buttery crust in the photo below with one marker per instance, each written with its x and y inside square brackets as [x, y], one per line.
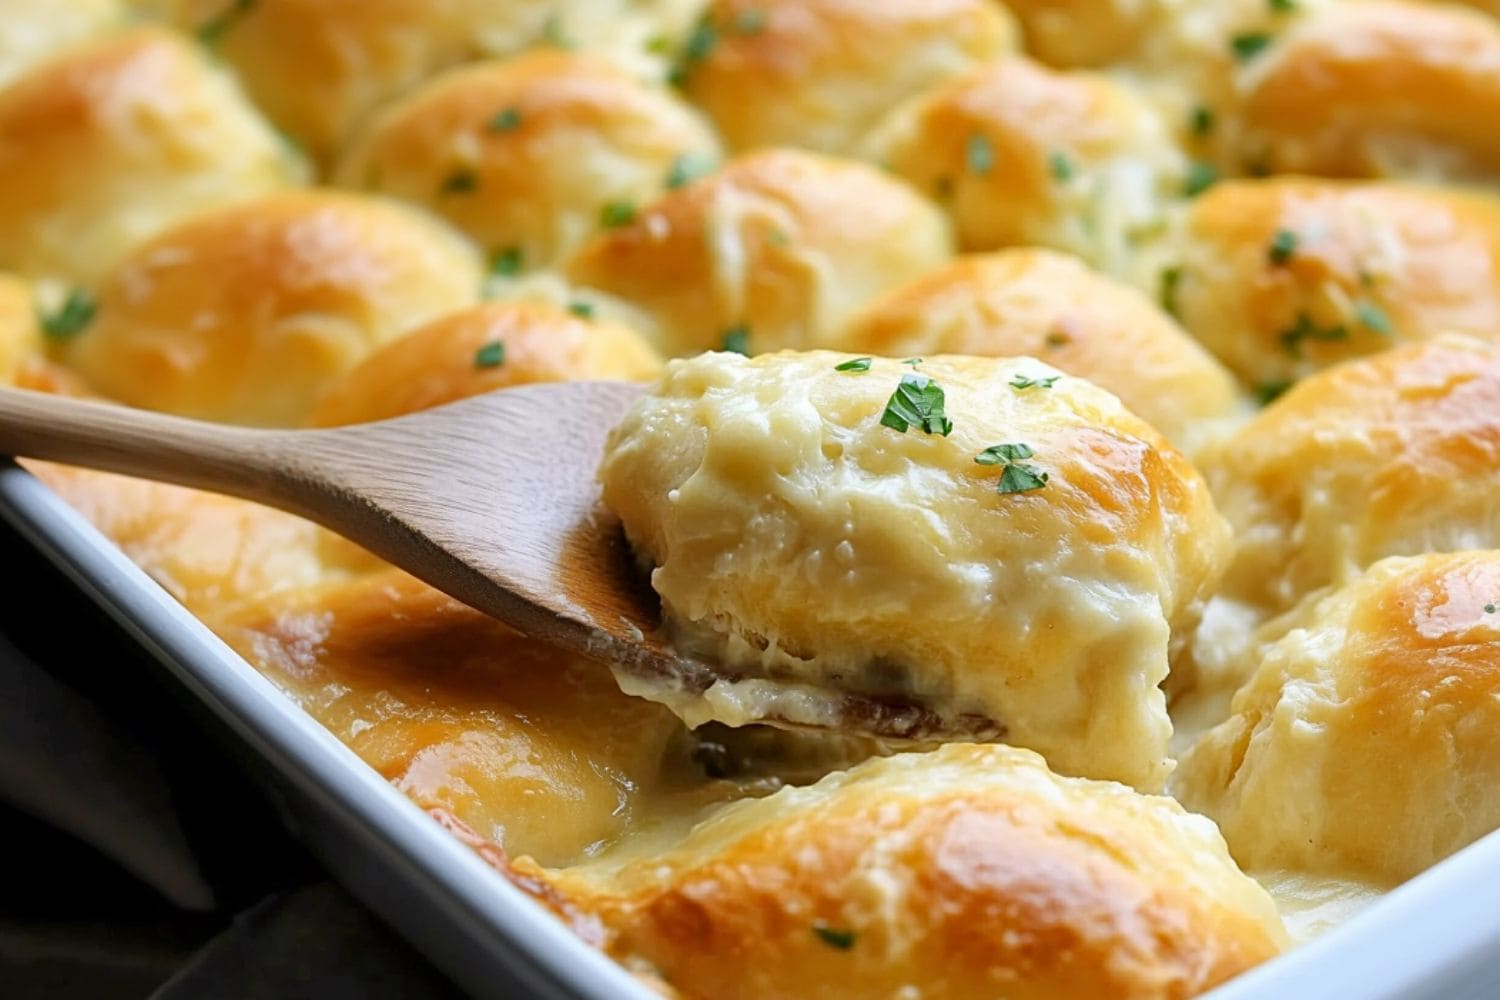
[780, 244]
[967, 871]
[1368, 738]
[105, 145]
[1037, 303]
[32, 30]
[794, 535]
[249, 313]
[527, 155]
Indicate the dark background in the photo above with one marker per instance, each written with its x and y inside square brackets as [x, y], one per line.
[138, 859]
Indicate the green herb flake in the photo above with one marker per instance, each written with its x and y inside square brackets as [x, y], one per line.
[75, 313]
[1282, 6]
[1016, 475]
[1248, 45]
[491, 355]
[1057, 339]
[1171, 281]
[583, 310]
[833, 937]
[1059, 166]
[659, 45]
[460, 181]
[979, 154]
[918, 401]
[1201, 120]
[736, 340]
[750, 22]
[212, 31]
[1267, 393]
[853, 365]
[689, 167]
[506, 120]
[1283, 245]
[553, 34]
[1021, 382]
[1489, 609]
[1304, 329]
[617, 213]
[1372, 317]
[1199, 178]
[506, 263]
[698, 47]
[911, 361]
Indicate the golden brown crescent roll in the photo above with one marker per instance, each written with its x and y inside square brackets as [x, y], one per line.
[485, 347]
[20, 339]
[532, 748]
[533, 155]
[969, 871]
[319, 67]
[32, 30]
[1382, 87]
[798, 533]
[1368, 739]
[1281, 277]
[1051, 306]
[1022, 154]
[775, 250]
[108, 143]
[1395, 454]
[819, 74]
[249, 313]
[1082, 32]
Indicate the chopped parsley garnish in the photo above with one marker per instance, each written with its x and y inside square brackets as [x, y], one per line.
[979, 154]
[1372, 317]
[583, 310]
[1059, 166]
[491, 355]
[689, 167]
[833, 937]
[553, 34]
[212, 31]
[1199, 178]
[1305, 329]
[507, 262]
[1489, 609]
[1283, 245]
[461, 181]
[778, 237]
[1249, 45]
[617, 213]
[853, 365]
[1267, 393]
[1057, 339]
[1016, 475]
[736, 340]
[75, 313]
[1201, 121]
[750, 22]
[911, 361]
[1171, 278]
[1282, 6]
[700, 44]
[918, 401]
[504, 121]
[1027, 382]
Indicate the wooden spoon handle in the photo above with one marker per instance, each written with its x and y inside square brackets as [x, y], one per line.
[214, 457]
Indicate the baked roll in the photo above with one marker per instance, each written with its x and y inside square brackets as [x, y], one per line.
[1282, 277]
[106, 144]
[1379, 88]
[532, 156]
[32, 30]
[819, 74]
[966, 872]
[1368, 738]
[531, 748]
[480, 349]
[1051, 306]
[1021, 154]
[249, 313]
[775, 250]
[319, 67]
[1395, 454]
[807, 535]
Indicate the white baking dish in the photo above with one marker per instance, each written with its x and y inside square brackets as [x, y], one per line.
[1438, 936]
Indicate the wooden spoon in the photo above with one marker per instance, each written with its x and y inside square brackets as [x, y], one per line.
[492, 499]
